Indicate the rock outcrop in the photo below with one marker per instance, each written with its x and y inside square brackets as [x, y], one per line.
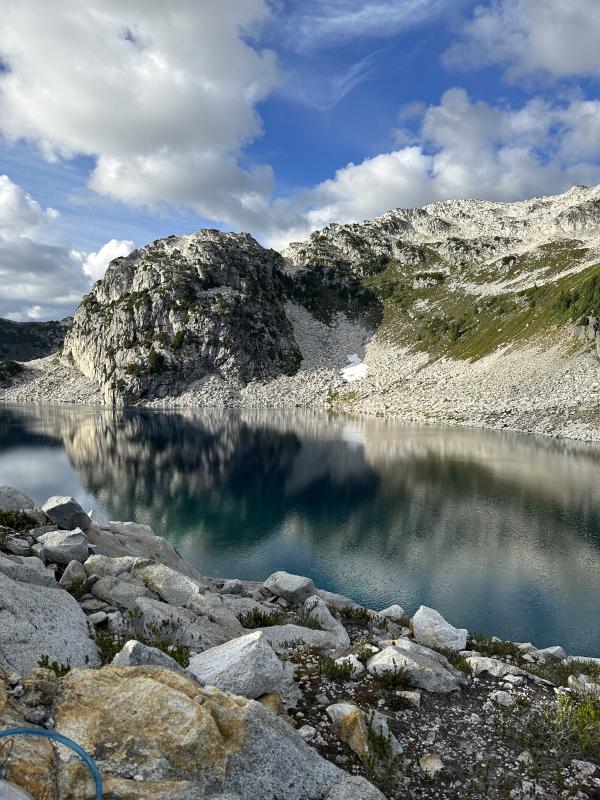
[180, 309]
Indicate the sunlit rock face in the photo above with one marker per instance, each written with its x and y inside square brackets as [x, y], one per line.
[180, 309]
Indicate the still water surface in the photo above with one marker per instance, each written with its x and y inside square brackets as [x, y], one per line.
[501, 533]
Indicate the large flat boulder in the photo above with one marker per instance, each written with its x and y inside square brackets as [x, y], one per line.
[281, 637]
[40, 621]
[66, 513]
[186, 742]
[247, 666]
[432, 630]
[14, 500]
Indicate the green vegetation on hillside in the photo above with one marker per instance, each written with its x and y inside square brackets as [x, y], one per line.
[443, 320]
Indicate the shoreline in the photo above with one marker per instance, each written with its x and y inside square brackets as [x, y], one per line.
[318, 673]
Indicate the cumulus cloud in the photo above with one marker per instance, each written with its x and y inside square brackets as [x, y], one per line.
[536, 38]
[465, 149]
[95, 264]
[41, 278]
[162, 96]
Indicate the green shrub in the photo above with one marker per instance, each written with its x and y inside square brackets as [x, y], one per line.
[156, 362]
[256, 618]
[336, 672]
[392, 679]
[306, 619]
[60, 670]
[16, 520]
[578, 719]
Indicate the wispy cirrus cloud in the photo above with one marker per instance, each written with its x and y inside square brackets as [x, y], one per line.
[314, 24]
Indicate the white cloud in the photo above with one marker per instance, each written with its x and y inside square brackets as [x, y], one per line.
[163, 96]
[465, 149]
[95, 264]
[536, 38]
[41, 277]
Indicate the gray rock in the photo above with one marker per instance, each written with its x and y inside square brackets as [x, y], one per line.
[104, 566]
[98, 617]
[27, 570]
[547, 654]
[74, 575]
[131, 529]
[17, 546]
[295, 588]
[394, 612]
[212, 606]
[120, 591]
[66, 513]
[170, 585]
[14, 500]
[247, 666]
[179, 625]
[432, 630]
[425, 668]
[493, 667]
[282, 637]
[273, 762]
[317, 608]
[64, 546]
[136, 654]
[41, 529]
[501, 698]
[232, 587]
[38, 620]
[337, 600]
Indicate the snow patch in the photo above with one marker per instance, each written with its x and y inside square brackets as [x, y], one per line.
[356, 369]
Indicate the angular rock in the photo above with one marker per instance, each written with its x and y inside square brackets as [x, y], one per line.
[66, 513]
[179, 625]
[247, 666]
[317, 608]
[546, 654]
[131, 529]
[38, 620]
[27, 569]
[282, 637]
[74, 575]
[432, 630]
[120, 591]
[232, 587]
[14, 500]
[104, 566]
[187, 742]
[295, 588]
[394, 612]
[16, 546]
[424, 668]
[356, 729]
[170, 585]
[64, 546]
[498, 669]
[136, 654]
[337, 600]
[501, 698]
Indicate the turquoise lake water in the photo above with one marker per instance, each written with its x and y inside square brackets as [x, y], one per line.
[500, 533]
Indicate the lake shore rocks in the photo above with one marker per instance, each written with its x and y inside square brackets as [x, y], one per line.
[183, 686]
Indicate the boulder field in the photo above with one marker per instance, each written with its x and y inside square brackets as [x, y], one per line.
[182, 686]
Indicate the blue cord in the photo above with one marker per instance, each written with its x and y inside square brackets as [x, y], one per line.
[63, 740]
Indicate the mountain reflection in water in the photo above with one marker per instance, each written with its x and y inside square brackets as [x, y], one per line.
[501, 533]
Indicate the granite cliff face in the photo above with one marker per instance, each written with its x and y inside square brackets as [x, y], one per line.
[181, 308]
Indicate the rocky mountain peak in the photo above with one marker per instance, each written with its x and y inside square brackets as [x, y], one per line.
[181, 308]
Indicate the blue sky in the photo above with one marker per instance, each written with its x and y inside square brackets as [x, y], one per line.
[122, 121]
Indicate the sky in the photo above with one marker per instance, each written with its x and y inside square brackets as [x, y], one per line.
[123, 121]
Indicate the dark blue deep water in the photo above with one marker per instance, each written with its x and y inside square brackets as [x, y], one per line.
[500, 533]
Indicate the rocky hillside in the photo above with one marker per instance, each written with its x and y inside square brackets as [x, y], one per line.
[465, 277]
[469, 312]
[24, 341]
[179, 309]
[183, 687]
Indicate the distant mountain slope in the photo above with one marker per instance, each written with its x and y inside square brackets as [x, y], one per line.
[24, 341]
[465, 277]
